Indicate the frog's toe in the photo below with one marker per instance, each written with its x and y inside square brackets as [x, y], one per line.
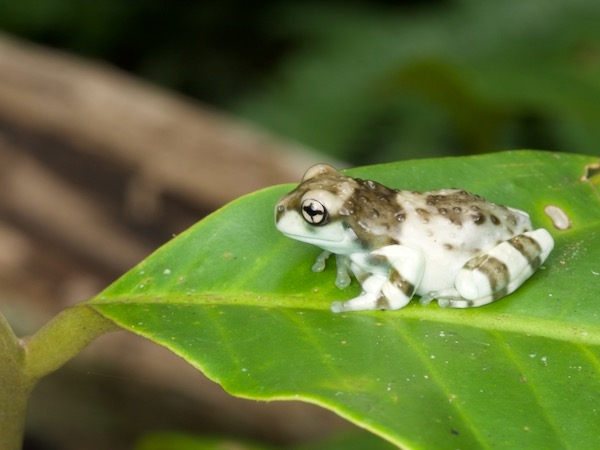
[445, 302]
[342, 280]
[426, 299]
[459, 302]
[446, 298]
[321, 261]
[337, 307]
[456, 301]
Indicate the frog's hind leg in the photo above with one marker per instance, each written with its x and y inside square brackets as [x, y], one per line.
[499, 271]
[367, 300]
[391, 290]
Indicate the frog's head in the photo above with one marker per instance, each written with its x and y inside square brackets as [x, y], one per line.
[316, 211]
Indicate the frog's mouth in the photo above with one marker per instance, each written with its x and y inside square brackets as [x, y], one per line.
[332, 237]
[319, 241]
[333, 241]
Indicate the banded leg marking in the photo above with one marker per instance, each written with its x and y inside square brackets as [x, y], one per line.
[502, 269]
[391, 290]
[397, 290]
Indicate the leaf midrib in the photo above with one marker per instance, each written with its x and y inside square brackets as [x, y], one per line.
[484, 320]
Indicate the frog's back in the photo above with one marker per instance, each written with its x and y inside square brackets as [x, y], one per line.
[451, 226]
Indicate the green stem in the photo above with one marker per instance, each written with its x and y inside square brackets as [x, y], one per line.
[62, 339]
[24, 362]
[14, 391]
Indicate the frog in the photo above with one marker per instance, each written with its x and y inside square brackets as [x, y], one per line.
[447, 245]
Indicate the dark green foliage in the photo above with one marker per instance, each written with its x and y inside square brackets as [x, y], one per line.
[362, 81]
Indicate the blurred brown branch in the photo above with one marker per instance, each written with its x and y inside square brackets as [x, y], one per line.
[107, 167]
[96, 170]
[173, 143]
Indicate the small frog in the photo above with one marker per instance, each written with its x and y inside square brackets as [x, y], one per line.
[448, 245]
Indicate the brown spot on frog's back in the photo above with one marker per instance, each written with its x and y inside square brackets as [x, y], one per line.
[376, 215]
[423, 214]
[478, 218]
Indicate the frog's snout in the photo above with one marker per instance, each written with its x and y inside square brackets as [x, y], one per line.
[279, 211]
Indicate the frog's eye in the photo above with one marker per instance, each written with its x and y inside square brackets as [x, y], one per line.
[314, 212]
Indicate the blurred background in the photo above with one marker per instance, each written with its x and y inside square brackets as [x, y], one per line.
[124, 122]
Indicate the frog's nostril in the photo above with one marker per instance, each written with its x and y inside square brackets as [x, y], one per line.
[279, 211]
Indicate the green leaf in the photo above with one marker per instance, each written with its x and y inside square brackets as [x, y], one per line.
[179, 441]
[239, 302]
[490, 75]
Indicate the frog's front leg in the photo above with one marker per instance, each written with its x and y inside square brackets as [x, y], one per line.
[497, 272]
[388, 276]
[342, 272]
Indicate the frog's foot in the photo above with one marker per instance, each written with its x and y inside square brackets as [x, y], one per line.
[360, 303]
[379, 293]
[372, 286]
[450, 298]
[342, 273]
[370, 302]
[321, 261]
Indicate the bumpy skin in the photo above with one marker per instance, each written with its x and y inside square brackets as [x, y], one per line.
[447, 245]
